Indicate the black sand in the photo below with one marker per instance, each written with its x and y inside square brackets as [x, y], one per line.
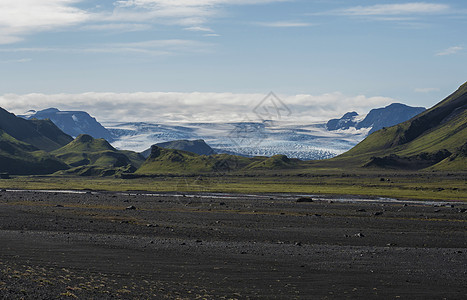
[108, 245]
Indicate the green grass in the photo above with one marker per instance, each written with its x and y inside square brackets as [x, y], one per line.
[422, 186]
[96, 157]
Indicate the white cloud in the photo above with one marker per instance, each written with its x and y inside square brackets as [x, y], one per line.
[192, 107]
[285, 24]
[17, 61]
[396, 9]
[152, 47]
[22, 17]
[120, 27]
[19, 18]
[199, 28]
[450, 51]
[190, 13]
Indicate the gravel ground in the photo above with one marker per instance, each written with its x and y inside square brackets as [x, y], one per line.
[58, 245]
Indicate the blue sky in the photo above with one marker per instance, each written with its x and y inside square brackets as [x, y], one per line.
[404, 51]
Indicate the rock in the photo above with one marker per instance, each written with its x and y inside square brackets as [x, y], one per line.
[361, 210]
[222, 203]
[378, 213]
[304, 199]
[360, 235]
[130, 208]
[58, 205]
[298, 244]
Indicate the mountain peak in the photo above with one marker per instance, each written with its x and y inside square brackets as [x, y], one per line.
[376, 119]
[73, 123]
[84, 138]
[196, 146]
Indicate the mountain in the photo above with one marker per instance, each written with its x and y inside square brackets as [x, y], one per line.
[302, 141]
[20, 158]
[348, 120]
[436, 139]
[73, 123]
[42, 134]
[96, 157]
[198, 146]
[377, 118]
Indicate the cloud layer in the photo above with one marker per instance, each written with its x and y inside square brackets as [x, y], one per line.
[21, 17]
[450, 51]
[192, 107]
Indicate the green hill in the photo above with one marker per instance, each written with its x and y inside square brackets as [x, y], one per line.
[169, 161]
[275, 162]
[20, 158]
[435, 139]
[96, 157]
[197, 146]
[42, 134]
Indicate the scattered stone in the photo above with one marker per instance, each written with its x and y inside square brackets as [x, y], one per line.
[317, 215]
[58, 205]
[382, 179]
[199, 241]
[361, 210]
[304, 199]
[462, 210]
[222, 203]
[378, 213]
[130, 207]
[360, 235]
[298, 244]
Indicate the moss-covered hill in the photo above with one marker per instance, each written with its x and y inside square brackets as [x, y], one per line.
[435, 139]
[89, 156]
[43, 134]
[20, 158]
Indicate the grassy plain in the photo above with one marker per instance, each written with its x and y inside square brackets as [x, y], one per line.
[401, 185]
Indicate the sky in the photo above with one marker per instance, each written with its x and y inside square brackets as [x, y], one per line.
[215, 60]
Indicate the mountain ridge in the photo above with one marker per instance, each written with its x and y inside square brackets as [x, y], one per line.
[73, 123]
[377, 118]
[437, 132]
[42, 134]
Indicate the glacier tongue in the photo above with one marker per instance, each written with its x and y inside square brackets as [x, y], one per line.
[306, 142]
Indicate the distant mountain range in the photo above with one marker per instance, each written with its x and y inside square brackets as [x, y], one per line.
[435, 139]
[249, 139]
[377, 118]
[73, 123]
